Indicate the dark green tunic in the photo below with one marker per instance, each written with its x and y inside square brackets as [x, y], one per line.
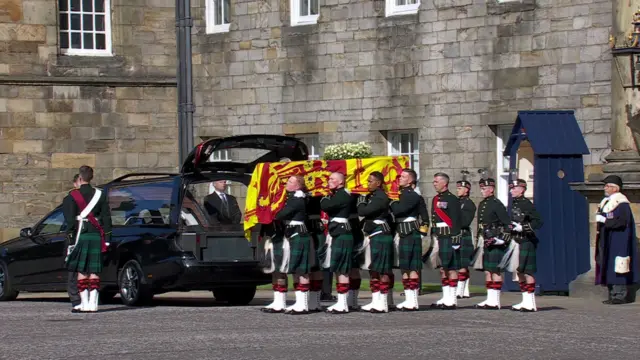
[491, 214]
[302, 257]
[376, 207]
[338, 205]
[410, 247]
[524, 212]
[86, 257]
[467, 212]
[450, 235]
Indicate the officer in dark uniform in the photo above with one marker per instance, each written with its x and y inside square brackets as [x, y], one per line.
[291, 250]
[339, 257]
[408, 239]
[91, 231]
[468, 212]
[374, 208]
[525, 221]
[300, 258]
[493, 230]
[445, 228]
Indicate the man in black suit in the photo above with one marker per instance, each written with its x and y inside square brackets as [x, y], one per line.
[221, 207]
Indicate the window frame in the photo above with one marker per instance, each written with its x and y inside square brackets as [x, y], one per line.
[210, 17]
[107, 51]
[395, 136]
[392, 9]
[503, 132]
[314, 148]
[301, 20]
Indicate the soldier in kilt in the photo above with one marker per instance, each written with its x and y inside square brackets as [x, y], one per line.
[298, 255]
[406, 211]
[374, 208]
[467, 213]
[445, 220]
[339, 258]
[493, 229]
[525, 221]
[88, 218]
[273, 240]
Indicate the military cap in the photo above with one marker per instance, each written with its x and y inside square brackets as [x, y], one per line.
[517, 182]
[487, 182]
[464, 183]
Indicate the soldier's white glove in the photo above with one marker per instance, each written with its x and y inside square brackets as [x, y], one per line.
[517, 226]
[498, 242]
[70, 249]
[600, 218]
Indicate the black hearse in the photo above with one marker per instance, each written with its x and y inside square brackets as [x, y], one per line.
[163, 239]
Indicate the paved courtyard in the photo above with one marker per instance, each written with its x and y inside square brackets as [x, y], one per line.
[193, 326]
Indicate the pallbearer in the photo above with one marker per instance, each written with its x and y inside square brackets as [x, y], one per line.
[339, 256]
[468, 212]
[296, 246]
[378, 242]
[525, 221]
[493, 230]
[406, 211]
[445, 214]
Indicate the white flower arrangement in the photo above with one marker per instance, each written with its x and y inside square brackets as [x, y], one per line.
[345, 151]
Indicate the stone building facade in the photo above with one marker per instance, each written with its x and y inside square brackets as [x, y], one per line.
[82, 82]
[441, 80]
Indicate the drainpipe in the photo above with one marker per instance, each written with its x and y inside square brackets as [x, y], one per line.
[184, 23]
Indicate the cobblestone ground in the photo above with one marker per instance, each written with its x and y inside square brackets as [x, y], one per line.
[192, 325]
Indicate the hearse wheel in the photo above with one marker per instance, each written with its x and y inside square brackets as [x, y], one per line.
[237, 296]
[6, 292]
[134, 289]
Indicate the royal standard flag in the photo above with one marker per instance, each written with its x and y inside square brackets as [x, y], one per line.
[266, 192]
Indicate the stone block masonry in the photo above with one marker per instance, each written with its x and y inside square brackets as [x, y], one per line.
[451, 74]
[58, 112]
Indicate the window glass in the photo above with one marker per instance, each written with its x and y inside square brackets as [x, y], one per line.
[53, 224]
[141, 204]
[204, 204]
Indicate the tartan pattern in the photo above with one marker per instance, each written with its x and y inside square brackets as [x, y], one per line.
[381, 253]
[341, 254]
[410, 252]
[466, 251]
[527, 262]
[449, 257]
[301, 258]
[86, 257]
[492, 257]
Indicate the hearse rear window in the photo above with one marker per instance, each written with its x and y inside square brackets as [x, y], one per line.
[141, 204]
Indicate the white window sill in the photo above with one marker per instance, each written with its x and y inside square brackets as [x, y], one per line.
[84, 52]
[395, 10]
[216, 29]
[305, 20]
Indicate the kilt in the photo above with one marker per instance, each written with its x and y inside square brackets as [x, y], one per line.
[466, 251]
[86, 257]
[342, 254]
[302, 258]
[410, 252]
[381, 253]
[449, 257]
[527, 258]
[492, 257]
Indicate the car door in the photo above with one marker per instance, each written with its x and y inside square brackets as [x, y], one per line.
[47, 256]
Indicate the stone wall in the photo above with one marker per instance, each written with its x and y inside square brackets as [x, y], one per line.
[58, 112]
[450, 72]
